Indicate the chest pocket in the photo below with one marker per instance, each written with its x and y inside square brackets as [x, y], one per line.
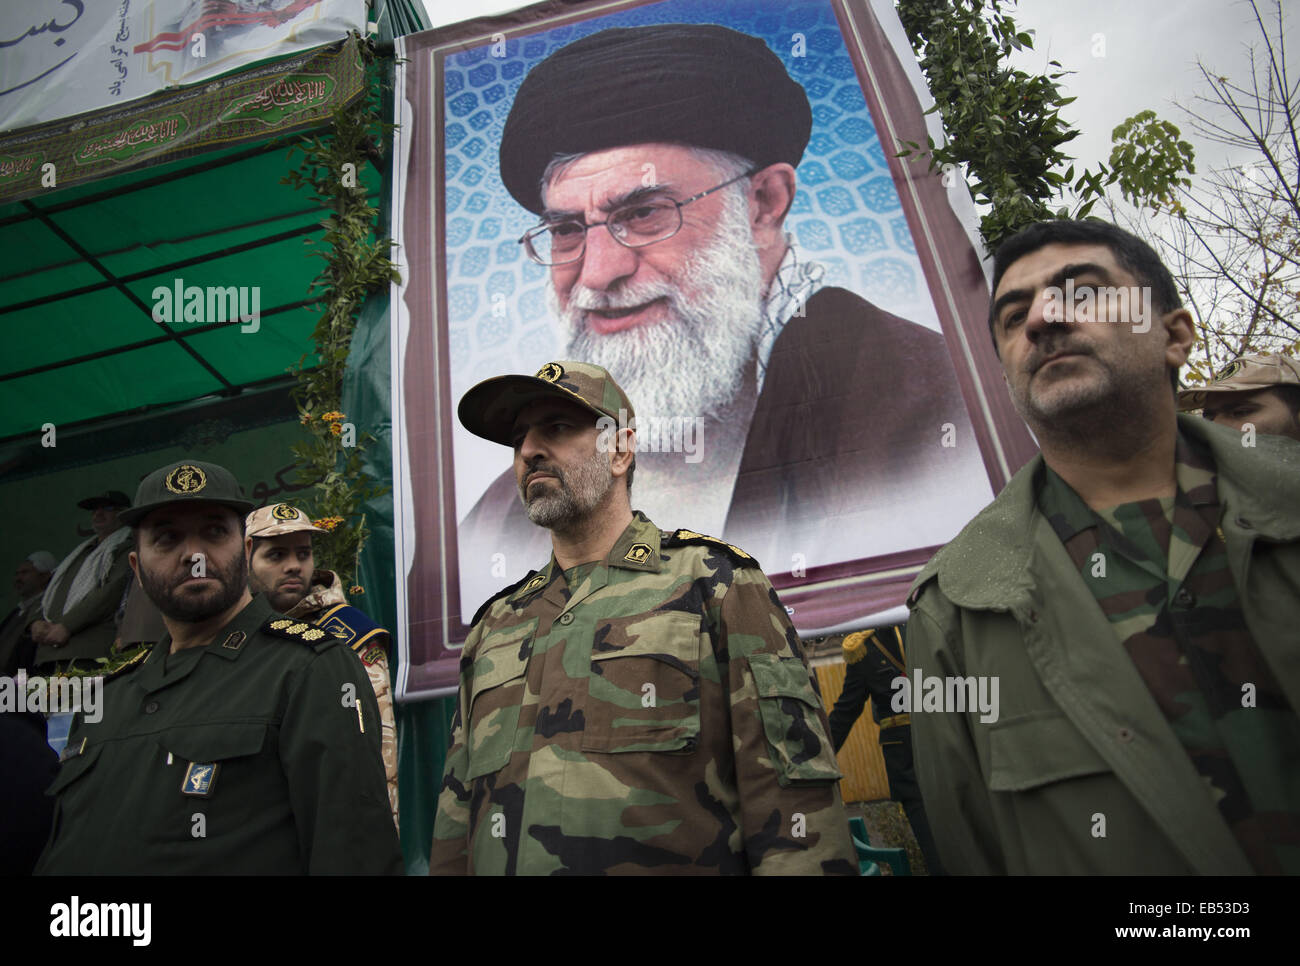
[496, 693]
[216, 744]
[1030, 751]
[643, 693]
[74, 768]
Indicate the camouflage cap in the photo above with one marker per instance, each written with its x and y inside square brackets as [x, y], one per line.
[491, 408]
[186, 481]
[277, 520]
[1246, 374]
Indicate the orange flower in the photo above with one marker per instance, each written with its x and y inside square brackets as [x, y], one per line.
[329, 523]
[332, 415]
[336, 429]
[357, 589]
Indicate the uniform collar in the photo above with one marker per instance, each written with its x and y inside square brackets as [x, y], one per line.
[987, 565]
[637, 548]
[229, 642]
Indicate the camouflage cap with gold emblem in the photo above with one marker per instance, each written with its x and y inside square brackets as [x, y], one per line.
[279, 519]
[186, 481]
[490, 408]
[1263, 371]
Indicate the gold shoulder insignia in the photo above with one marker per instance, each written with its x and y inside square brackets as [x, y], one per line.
[533, 584]
[281, 624]
[314, 634]
[297, 628]
[680, 537]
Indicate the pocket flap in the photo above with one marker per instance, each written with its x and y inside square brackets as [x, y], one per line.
[496, 667]
[215, 741]
[73, 768]
[1032, 750]
[775, 677]
[669, 636]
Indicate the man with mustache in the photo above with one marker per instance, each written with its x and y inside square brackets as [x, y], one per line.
[641, 705]
[244, 742]
[661, 162]
[283, 567]
[1133, 591]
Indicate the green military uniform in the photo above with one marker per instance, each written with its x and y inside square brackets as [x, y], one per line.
[648, 713]
[255, 754]
[1124, 742]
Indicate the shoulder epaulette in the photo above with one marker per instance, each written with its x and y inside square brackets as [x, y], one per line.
[304, 632]
[504, 592]
[854, 646]
[680, 538]
[351, 625]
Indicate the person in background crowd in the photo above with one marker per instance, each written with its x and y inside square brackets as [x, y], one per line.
[17, 649]
[81, 600]
[282, 567]
[873, 659]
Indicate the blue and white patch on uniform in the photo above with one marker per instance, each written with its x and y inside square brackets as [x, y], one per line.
[199, 779]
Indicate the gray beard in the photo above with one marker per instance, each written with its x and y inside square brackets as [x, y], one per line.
[694, 363]
[573, 497]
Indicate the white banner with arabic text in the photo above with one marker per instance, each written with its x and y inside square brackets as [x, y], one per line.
[65, 57]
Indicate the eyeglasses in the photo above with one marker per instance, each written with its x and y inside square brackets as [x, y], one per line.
[632, 226]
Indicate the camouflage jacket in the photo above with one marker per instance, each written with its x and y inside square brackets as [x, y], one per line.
[1081, 771]
[326, 606]
[659, 717]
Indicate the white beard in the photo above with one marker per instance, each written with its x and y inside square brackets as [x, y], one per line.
[695, 362]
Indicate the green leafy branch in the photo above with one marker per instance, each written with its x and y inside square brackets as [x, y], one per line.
[357, 265]
[1004, 126]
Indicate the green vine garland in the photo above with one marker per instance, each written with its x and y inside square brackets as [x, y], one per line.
[356, 266]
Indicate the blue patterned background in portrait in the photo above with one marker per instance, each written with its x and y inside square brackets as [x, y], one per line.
[846, 213]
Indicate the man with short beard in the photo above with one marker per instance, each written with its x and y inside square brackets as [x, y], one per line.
[641, 705]
[243, 742]
[661, 161]
[283, 567]
[1132, 591]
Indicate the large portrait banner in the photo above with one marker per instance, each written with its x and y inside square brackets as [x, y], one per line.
[706, 199]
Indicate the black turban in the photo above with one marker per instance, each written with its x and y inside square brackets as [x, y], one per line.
[696, 84]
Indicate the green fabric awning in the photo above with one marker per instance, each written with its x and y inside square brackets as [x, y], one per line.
[76, 288]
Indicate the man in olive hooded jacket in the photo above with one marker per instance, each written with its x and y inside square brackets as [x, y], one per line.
[1130, 599]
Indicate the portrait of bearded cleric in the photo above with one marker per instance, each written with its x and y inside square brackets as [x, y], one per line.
[705, 199]
[659, 166]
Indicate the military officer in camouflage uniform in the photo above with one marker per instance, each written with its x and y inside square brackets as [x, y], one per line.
[244, 742]
[283, 567]
[641, 704]
[1132, 590]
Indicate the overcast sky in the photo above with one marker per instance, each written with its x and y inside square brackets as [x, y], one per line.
[1150, 53]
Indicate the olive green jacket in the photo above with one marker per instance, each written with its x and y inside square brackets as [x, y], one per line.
[1081, 773]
